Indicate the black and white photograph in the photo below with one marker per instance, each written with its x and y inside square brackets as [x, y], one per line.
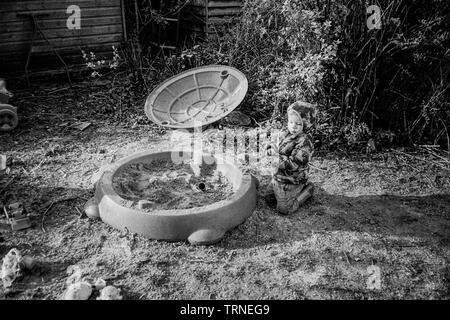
[224, 155]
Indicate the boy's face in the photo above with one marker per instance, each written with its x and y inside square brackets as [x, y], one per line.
[295, 124]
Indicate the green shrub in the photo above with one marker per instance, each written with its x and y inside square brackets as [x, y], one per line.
[394, 80]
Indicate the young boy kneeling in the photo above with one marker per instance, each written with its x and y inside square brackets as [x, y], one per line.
[295, 148]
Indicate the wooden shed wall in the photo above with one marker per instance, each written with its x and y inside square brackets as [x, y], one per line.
[101, 28]
[205, 17]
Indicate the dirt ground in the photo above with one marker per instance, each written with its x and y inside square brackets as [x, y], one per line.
[386, 210]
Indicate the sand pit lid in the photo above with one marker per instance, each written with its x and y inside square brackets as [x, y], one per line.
[200, 95]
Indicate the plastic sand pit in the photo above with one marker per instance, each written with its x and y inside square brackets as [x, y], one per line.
[165, 185]
[148, 194]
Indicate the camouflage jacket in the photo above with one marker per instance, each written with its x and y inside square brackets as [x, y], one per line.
[295, 152]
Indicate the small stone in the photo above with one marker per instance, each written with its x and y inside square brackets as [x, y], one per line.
[100, 284]
[91, 209]
[78, 291]
[110, 293]
[75, 273]
[28, 262]
[173, 175]
[11, 267]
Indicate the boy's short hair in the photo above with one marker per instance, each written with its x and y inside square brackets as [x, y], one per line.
[305, 110]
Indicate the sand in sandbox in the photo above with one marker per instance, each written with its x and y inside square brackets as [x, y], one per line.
[168, 185]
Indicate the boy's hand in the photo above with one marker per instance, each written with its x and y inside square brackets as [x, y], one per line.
[283, 162]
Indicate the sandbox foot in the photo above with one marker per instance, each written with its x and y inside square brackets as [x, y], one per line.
[206, 236]
[91, 209]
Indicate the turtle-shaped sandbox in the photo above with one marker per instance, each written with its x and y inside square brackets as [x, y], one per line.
[143, 206]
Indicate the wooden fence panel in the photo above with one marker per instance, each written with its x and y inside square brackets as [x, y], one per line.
[101, 23]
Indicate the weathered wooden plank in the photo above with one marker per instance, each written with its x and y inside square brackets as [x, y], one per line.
[58, 23]
[76, 43]
[98, 49]
[101, 27]
[61, 14]
[54, 35]
[40, 5]
[216, 9]
[226, 4]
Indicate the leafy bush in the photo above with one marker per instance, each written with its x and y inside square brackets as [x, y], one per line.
[393, 80]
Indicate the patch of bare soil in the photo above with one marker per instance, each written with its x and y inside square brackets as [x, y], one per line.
[387, 210]
[166, 185]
